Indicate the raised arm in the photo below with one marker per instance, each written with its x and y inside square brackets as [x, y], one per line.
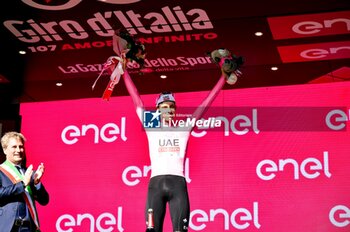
[130, 86]
[229, 65]
[210, 98]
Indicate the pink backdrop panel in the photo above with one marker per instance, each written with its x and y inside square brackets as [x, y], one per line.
[280, 163]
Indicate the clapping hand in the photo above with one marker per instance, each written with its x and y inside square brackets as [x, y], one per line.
[28, 175]
[39, 173]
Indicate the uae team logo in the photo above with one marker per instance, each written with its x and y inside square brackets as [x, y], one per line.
[151, 119]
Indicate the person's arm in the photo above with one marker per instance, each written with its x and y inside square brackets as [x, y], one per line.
[9, 191]
[40, 194]
[210, 98]
[130, 86]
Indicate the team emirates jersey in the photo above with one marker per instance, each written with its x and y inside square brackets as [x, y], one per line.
[167, 149]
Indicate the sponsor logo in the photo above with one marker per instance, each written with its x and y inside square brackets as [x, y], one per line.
[310, 25]
[241, 218]
[31, 31]
[314, 52]
[108, 133]
[336, 119]
[102, 223]
[159, 65]
[310, 168]
[339, 216]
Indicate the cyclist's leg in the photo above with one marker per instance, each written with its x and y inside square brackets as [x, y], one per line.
[179, 205]
[156, 202]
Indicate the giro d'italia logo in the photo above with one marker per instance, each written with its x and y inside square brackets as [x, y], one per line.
[151, 119]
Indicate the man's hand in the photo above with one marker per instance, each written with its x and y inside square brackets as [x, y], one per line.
[39, 173]
[27, 175]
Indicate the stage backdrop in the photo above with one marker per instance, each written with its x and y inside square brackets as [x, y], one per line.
[279, 162]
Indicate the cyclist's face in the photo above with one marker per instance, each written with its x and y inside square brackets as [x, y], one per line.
[167, 109]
